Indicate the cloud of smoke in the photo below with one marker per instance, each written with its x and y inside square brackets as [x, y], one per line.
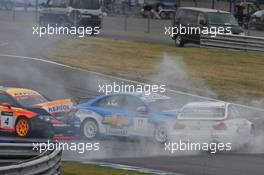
[58, 82]
[173, 72]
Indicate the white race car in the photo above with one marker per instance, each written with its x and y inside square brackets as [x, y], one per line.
[212, 122]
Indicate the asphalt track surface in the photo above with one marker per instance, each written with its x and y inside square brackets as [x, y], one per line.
[57, 81]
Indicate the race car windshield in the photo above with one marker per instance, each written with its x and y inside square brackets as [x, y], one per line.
[84, 4]
[203, 112]
[31, 101]
[224, 19]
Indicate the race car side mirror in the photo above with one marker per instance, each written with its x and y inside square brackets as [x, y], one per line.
[180, 115]
[5, 104]
[142, 110]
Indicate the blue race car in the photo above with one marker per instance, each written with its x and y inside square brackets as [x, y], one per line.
[127, 115]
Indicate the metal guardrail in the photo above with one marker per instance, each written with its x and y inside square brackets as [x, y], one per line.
[246, 43]
[23, 160]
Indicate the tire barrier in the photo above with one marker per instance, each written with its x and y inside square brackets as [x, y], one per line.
[21, 159]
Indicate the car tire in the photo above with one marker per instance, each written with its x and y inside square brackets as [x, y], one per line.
[179, 42]
[163, 15]
[63, 22]
[22, 127]
[90, 129]
[75, 17]
[161, 134]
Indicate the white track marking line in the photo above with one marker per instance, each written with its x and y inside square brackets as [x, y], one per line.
[121, 79]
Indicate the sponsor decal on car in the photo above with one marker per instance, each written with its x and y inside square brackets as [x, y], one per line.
[22, 93]
[116, 120]
[6, 119]
[57, 106]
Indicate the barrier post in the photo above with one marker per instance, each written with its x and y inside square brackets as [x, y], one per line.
[148, 24]
[125, 22]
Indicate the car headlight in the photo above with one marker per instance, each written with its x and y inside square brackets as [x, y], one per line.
[73, 111]
[83, 112]
[45, 118]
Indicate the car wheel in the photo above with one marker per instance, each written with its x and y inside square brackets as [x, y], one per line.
[75, 17]
[161, 134]
[163, 15]
[63, 22]
[22, 127]
[90, 129]
[179, 41]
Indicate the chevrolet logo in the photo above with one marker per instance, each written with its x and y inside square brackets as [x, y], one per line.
[116, 120]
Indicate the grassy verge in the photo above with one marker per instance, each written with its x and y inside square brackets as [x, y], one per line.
[230, 74]
[74, 168]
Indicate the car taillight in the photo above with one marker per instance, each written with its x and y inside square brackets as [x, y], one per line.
[220, 126]
[53, 114]
[54, 121]
[258, 19]
[178, 125]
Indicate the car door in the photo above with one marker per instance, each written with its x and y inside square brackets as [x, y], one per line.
[139, 113]
[201, 23]
[7, 117]
[189, 21]
[116, 120]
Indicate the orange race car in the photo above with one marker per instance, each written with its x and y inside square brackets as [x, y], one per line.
[28, 113]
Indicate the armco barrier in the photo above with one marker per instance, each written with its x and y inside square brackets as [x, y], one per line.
[247, 43]
[22, 160]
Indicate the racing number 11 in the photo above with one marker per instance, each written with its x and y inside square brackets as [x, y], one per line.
[140, 123]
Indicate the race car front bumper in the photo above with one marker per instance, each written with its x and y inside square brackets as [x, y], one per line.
[41, 128]
[63, 129]
[66, 129]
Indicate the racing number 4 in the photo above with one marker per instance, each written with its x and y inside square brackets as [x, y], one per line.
[6, 119]
[6, 122]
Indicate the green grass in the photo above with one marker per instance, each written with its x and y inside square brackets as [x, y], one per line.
[230, 74]
[75, 168]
